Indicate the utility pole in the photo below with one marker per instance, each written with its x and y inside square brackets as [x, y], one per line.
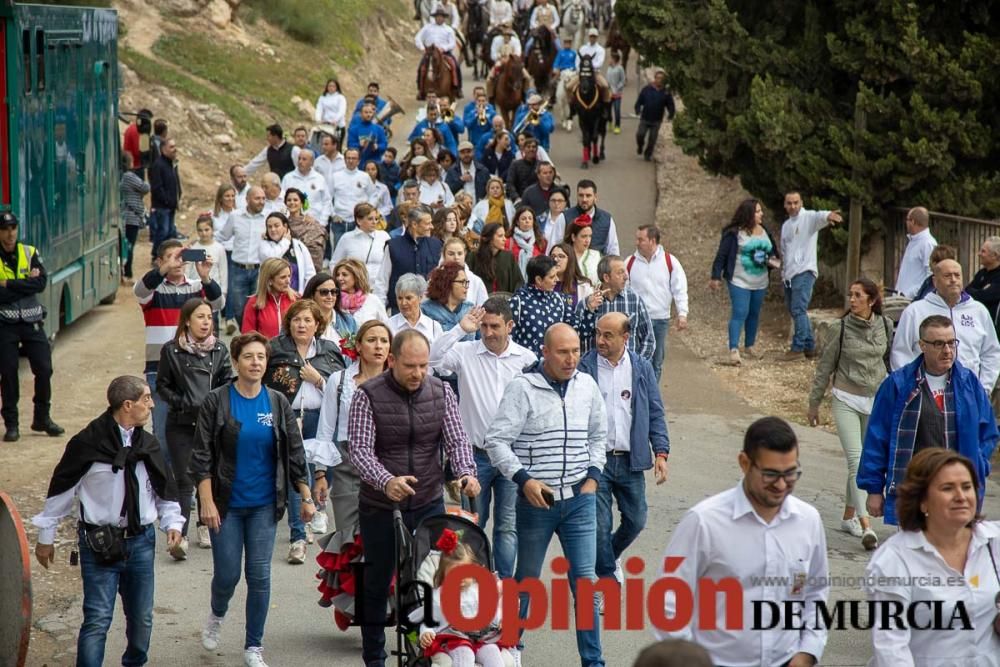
[854, 218]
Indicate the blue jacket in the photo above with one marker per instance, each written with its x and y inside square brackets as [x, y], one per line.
[565, 59]
[486, 138]
[729, 249]
[410, 255]
[448, 319]
[454, 179]
[546, 125]
[471, 120]
[447, 136]
[377, 141]
[649, 423]
[977, 430]
[379, 105]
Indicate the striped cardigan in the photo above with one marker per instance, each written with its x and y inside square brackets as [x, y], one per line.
[556, 434]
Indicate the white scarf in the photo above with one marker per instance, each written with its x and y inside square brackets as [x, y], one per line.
[526, 241]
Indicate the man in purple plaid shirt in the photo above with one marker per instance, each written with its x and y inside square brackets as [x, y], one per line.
[396, 425]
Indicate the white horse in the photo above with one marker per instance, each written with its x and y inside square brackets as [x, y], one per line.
[562, 100]
[574, 21]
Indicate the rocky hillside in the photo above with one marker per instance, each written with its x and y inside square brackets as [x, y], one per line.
[219, 71]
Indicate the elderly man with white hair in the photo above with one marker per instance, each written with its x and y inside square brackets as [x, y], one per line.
[309, 180]
[914, 266]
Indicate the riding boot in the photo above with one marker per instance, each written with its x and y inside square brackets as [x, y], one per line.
[586, 155]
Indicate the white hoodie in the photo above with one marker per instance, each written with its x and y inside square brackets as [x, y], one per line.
[978, 348]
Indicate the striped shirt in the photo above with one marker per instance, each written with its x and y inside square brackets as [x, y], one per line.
[161, 302]
[361, 435]
[641, 340]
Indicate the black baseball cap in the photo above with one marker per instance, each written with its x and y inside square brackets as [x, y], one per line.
[8, 219]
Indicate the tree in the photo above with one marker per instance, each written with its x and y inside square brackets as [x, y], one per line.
[770, 86]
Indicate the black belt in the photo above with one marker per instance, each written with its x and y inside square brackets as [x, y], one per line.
[247, 267]
[124, 531]
[617, 452]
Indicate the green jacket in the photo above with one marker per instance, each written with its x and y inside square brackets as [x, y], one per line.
[508, 275]
[857, 367]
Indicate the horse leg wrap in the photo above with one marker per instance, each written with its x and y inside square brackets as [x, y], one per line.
[586, 153]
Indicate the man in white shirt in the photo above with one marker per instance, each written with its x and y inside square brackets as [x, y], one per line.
[238, 177]
[500, 12]
[978, 349]
[592, 49]
[330, 160]
[308, 180]
[507, 37]
[441, 36]
[485, 367]
[121, 508]
[659, 280]
[274, 196]
[350, 188]
[246, 228]
[636, 420]
[756, 532]
[914, 267]
[799, 268]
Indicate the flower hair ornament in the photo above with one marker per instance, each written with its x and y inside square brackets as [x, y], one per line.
[583, 220]
[448, 542]
[349, 345]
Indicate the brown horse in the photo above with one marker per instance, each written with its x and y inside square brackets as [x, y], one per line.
[540, 59]
[509, 89]
[437, 76]
[616, 42]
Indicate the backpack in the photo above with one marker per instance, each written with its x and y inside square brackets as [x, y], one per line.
[666, 256]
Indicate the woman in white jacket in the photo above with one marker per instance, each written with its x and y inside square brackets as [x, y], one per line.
[278, 242]
[331, 107]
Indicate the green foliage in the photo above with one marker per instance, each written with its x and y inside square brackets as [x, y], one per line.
[770, 87]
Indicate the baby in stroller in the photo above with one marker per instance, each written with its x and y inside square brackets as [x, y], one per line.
[446, 646]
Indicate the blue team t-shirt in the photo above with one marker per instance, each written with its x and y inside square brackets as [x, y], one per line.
[256, 463]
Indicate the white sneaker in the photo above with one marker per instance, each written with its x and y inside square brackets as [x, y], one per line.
[852, 527]
[319, 523]
[619, 572]
[254, 657]
[204, 538]
[515, 653]
[210, 633]
[179, 551]
[297, 553]
[869, 540]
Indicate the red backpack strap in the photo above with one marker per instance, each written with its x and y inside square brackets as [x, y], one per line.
[670, 263]
[631, 261]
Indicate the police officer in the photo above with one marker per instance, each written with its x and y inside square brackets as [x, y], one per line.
[22, 278]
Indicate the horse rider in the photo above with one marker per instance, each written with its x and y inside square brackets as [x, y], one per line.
[440, 36]
[546, 15]
[501, 12]
[503, 48]
[596, 53]
[454, 17]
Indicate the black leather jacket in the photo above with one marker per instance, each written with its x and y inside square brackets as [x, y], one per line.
[183, 379]
[284, 365]
[215, 448]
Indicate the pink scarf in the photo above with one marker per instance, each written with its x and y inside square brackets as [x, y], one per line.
[191, 346]
[352, 302]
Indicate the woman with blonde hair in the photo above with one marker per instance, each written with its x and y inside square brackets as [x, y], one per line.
[365, 243]
[495, 207]
[356, 297]
[265, 309]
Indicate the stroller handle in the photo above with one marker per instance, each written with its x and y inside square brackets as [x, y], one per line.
[472, 500]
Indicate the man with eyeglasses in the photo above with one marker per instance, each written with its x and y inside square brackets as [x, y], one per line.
[934, 401]
[769, 540]
[979, 350]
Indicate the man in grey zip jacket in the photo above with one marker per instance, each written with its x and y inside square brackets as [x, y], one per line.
[549, 436]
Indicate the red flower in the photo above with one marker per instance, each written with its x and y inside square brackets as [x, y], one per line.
[347, 348]
[447, 542]
[583, 220]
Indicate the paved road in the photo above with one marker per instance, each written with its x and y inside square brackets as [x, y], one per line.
[706, 423]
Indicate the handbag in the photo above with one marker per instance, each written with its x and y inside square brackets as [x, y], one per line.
[107, 542]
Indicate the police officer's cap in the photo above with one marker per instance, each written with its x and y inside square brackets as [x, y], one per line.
[8, 219]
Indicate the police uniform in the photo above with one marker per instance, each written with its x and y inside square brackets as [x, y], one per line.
[22, 278]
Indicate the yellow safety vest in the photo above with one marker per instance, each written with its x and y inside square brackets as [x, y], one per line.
[27, 308]
[24, 255]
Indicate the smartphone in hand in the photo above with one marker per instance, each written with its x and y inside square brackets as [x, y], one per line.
[194, 255]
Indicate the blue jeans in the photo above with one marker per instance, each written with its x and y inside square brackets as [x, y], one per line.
[798, 294]
[249, 529]
[628, 487]
[161, 221]
[746, 304]
[378, 541]
[160, 410]
[616, 108]
[338, 229]
[133, 580]
[242, 283]
[574, 521]
[296, 527]
[660, 328]
[504, 494]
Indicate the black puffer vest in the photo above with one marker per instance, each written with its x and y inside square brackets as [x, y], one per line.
[279, 159]
[409, 428]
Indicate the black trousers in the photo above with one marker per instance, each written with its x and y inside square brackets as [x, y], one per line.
[31, 338]
[180, 442]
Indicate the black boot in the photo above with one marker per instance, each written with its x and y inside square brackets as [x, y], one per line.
[11, 434]
[48, 427]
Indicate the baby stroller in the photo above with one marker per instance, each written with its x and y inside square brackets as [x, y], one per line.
[417, 560]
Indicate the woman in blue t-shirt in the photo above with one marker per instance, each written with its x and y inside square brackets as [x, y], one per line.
[247, 455]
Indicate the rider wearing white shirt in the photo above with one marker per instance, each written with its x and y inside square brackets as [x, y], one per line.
[500, 12]
[498, 43]
[593, 49]
[454, 18]
[437, 34]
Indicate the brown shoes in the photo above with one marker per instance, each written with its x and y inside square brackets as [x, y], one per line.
[792, 355]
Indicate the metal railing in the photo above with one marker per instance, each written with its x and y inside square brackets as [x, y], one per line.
[964, 234]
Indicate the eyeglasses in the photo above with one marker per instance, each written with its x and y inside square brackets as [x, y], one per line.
[464, 283]
[771, 476]
[324, 291]
[939, 345]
